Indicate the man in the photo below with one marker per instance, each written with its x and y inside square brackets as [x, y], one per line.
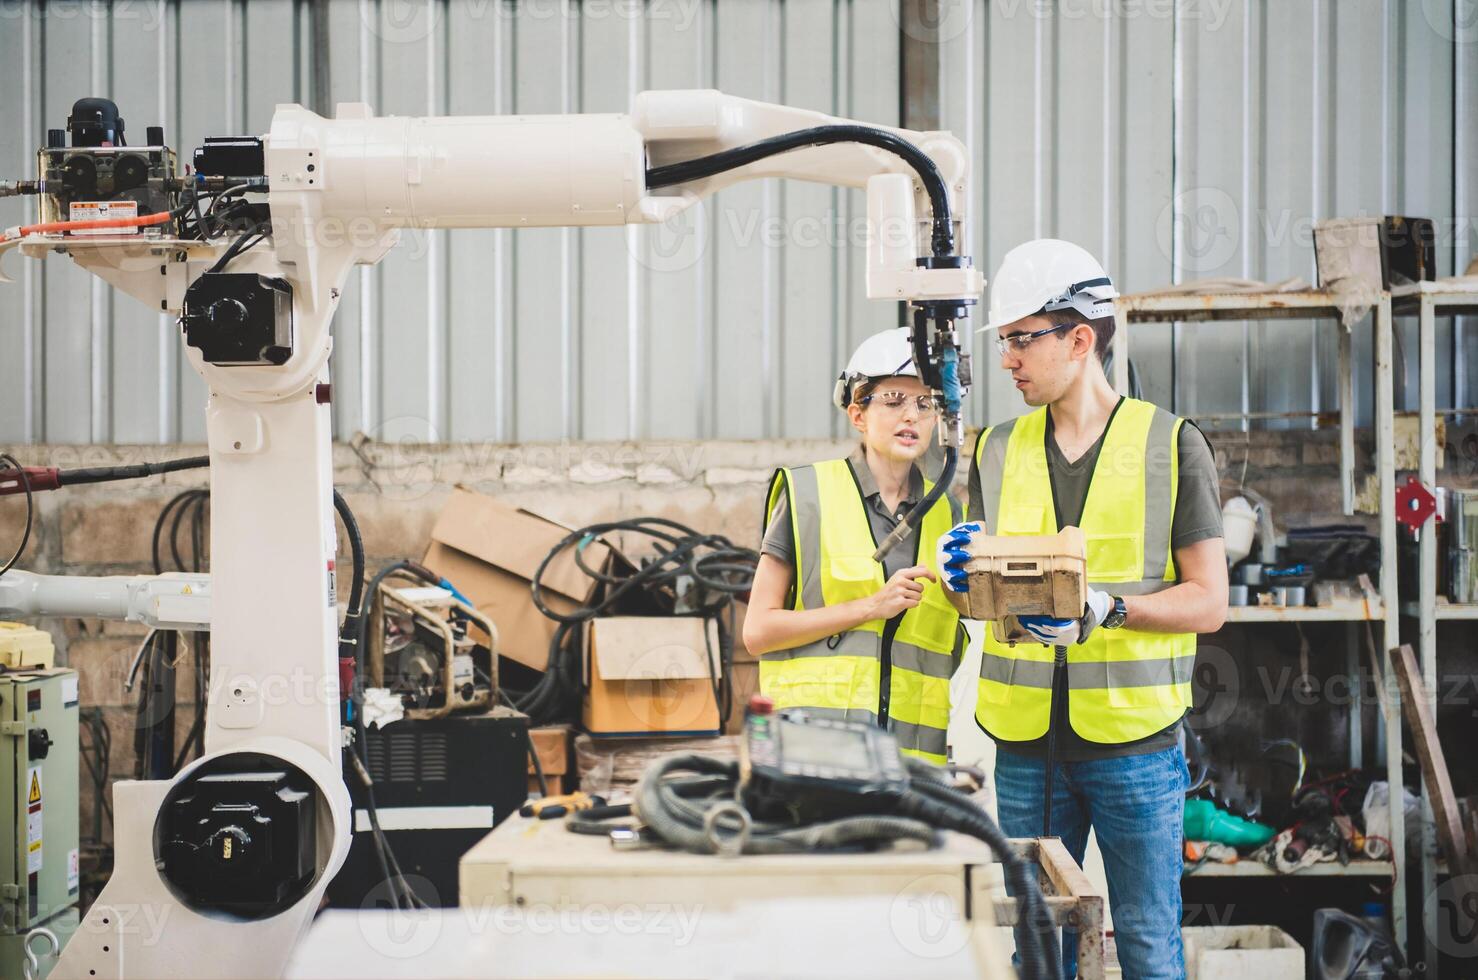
[1143, 486]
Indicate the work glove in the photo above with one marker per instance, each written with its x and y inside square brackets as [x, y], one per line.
[1098, 606]
[1050, 630]
[954, 553]
[1062, 632]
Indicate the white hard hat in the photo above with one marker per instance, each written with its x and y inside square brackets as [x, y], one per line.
[1047, 275]
[882, 355]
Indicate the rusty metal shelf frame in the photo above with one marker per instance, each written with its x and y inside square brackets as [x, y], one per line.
[1071, 900]
[1321, 305]
[1345, 612]
[1427, 301]
[1245, 868]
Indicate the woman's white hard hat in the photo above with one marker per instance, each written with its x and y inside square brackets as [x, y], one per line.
[883, 355]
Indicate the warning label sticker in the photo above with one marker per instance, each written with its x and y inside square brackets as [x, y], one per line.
[33, 821]
[74, 876]
[101, 210]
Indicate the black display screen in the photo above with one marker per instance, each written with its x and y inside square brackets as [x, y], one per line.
[815, 745]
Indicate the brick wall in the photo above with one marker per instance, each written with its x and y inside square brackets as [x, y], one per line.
[396, 492]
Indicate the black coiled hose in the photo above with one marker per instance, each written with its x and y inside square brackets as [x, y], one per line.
[699, 814]
[690, 802]
[718, 569]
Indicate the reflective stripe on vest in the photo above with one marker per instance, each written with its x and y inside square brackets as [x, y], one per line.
[1124, 684]
[839, 677]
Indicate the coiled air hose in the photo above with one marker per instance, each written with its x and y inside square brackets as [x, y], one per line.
[692, 802]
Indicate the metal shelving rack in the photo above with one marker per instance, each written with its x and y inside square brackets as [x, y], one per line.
[1361, 868]
[1427, 301]
[1314, 304]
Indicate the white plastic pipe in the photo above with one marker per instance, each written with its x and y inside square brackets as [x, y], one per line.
[177, 601]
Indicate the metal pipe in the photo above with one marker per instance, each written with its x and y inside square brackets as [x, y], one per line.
[175, 601]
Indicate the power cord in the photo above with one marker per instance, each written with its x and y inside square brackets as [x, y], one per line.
[358, 754]
[712, 568]
[188, 510]
[24, 479]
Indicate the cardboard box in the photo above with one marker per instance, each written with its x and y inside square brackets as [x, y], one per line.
[651, 675]
[490, 552]
[552, 745]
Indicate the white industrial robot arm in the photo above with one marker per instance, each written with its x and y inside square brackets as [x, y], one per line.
[173, 601]
[256, 324]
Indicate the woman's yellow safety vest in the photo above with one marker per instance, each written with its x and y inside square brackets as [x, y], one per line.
[840, 677]
[1123, 684]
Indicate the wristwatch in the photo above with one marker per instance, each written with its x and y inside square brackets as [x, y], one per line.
[1116, 615]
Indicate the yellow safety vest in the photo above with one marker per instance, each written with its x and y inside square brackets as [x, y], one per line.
[840, 677]
[1123, 684]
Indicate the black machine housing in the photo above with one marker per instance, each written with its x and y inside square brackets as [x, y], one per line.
[240, 836]
[239, 318]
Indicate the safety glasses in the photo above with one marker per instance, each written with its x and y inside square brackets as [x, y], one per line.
[1018, 342]
[897, 401]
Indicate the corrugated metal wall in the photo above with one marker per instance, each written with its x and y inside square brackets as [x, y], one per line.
[1188, 139]
[1177, 139]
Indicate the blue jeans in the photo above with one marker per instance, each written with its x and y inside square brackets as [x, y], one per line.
[1135, 803]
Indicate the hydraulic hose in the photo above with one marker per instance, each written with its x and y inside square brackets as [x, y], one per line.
[24, 482]
[1049, 772]
[691, 802]
[100, 224]
[915, 516]
[356, 551]
[940, 806]
[51, 478]
[699, 814]
[943, 236]
[942, 244]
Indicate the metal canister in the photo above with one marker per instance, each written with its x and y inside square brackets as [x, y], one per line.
[1462, 545]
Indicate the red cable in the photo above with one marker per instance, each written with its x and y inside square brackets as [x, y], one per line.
[50, 226]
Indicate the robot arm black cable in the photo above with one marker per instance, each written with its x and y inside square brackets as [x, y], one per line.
[950, 375]
[943, 237]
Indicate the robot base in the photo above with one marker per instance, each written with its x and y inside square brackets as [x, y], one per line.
[138, 927]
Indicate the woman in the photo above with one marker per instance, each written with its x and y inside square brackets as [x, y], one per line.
[837, 632]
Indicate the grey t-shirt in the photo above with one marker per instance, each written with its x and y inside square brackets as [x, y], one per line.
[779, 539]
[1197, 518]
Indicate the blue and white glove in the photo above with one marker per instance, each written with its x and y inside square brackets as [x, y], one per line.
[1062, 632]
[954, 553]
[1050, 630]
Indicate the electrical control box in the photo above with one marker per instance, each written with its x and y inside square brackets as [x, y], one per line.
[39, 874]
[440, 785]
[818, 768]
